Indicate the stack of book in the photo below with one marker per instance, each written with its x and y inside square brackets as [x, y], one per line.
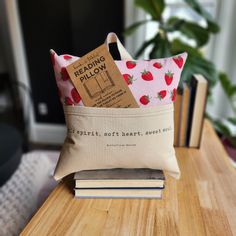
[189, 112]
[119, 183]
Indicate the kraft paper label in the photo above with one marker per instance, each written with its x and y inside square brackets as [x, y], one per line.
[99, 81]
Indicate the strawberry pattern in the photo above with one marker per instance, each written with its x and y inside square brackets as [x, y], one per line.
[179, 61]
[157, 65]
[64, 74]
[130, 64]
[128, 78]
[68, 101]
[67, 57]
[150, 81]
[169, 77]
[144, 100]
[147, 75]
[161, 95]
[173, 94]
[75, 95]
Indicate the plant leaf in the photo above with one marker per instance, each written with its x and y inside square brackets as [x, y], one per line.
[212, 25]
[232, 140]
[129, 30]
[147, 6]
[173, 24]
[152, 7]
[199, 65]
[195, 63]
[144, 46]
[161, 48]
[196, 32]
[221, 128]
[228, 87]
[178, 46]
[159, 6]
[232, 120]
[190, 29]
[225, 129]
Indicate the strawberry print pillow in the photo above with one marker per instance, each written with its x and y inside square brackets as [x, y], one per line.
[152, 82]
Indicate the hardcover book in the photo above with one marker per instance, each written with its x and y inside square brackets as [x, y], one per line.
[198, 98]
[177, 121]
[118, 193]
[120, 178]
[184, 115]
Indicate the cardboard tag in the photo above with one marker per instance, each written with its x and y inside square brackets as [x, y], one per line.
[99, 81]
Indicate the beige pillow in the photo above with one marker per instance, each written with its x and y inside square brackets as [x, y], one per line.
[104, 138]
[100, 138]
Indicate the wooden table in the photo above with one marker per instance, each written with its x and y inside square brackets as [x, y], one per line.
[202, 202]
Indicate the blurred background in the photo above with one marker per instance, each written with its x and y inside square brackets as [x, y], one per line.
[31, 118]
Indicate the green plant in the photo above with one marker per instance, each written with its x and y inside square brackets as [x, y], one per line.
[163, 46]
[227, 126]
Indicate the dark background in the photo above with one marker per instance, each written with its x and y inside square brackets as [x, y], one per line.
[69, 27]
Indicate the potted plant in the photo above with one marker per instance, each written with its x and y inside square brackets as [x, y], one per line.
[163, 46]
[226, 127]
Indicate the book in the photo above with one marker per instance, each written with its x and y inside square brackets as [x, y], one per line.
[118, 193]
[177, 108]
[120, 178]
[198, 98]
[184, 115]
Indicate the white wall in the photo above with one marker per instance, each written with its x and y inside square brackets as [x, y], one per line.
[43, 133]
[132, 15]
[223, 54]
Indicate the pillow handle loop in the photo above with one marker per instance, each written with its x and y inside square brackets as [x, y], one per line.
[112, 38]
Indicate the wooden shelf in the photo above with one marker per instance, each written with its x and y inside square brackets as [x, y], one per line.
[202, 202]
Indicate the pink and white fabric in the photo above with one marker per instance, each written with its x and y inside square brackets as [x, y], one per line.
[152, 82]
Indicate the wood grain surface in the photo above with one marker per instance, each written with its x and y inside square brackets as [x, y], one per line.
[202, 202]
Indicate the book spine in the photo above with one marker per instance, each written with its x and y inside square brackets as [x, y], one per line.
[193, 88]
[177, 109]
[203, 115]
[184, 115]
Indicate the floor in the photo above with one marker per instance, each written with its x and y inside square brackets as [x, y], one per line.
[26, 190]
